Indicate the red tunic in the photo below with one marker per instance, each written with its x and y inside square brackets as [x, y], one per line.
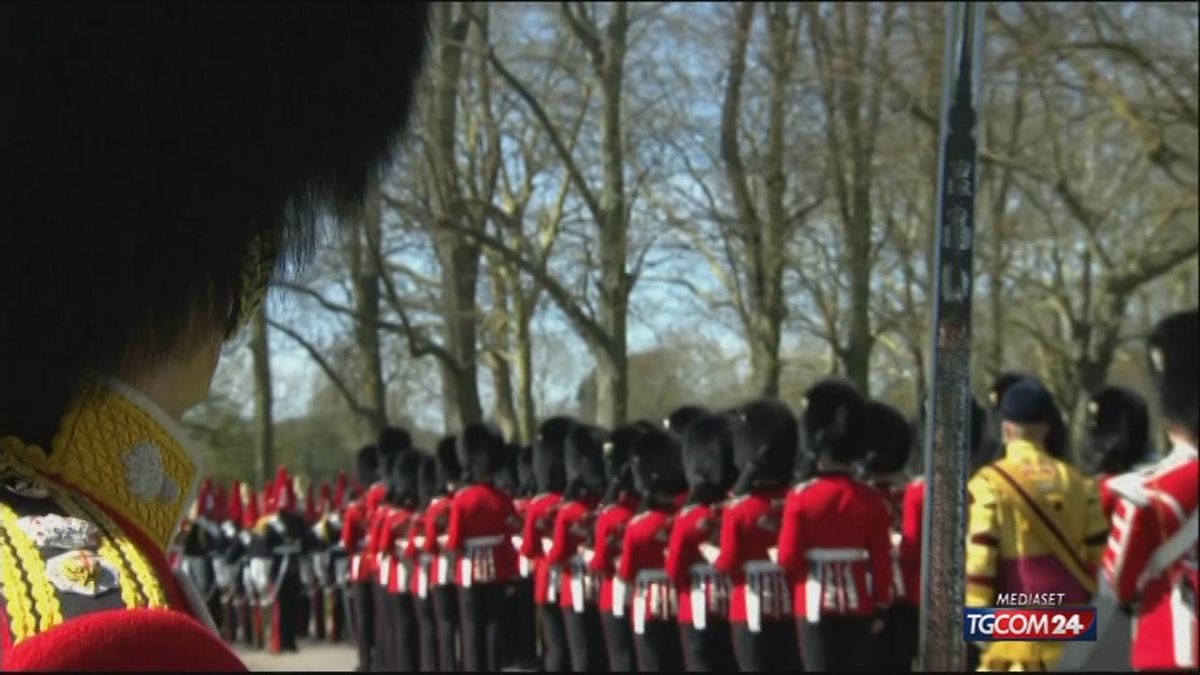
[910, 539]
[564, 554]
[441, 567]
[1108, 498]
[610, 527]
[893, 499]
[415, 557]
[835, 547]
[1152, 559]
[689, 571]
[354, 539]
[394, 569]
[748, 529]
[539, 520]
[480, 527]
[643, 558]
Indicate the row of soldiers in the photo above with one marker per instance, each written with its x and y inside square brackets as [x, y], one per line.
[269, 565]
[758, 539]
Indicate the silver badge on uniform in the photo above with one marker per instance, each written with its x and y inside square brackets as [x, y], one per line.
[23, 486]
[57, 531]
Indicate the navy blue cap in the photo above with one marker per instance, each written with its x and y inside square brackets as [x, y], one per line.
[1027, 402]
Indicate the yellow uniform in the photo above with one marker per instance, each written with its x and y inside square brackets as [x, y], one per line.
[1035, 527]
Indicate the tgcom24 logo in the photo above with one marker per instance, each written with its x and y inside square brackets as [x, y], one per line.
[997, 624]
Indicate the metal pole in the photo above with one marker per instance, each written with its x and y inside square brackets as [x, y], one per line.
[947, 443]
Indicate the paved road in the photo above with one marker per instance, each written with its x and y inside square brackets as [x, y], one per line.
[313, 656]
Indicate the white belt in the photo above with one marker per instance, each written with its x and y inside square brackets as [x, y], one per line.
[583, 584]
[834, 555]
[355, 563]
[760, 573]
[618, 599]
[385, 569]
[552, 584]
[423, 563]
[705, 579]
[445, 564]
[646, 580]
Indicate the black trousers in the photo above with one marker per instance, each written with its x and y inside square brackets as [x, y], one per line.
[837, 643]
[445, 611]
[304, 611]
[896, 645]
[585, 639]
[618, 639]
[482, 615]
[385, 630]
[709, 650]
[658, 648]
[773, 648]
[405, 637]
[523, 633]
[554, 640]
[364, 623]
[283, 615]
[427, 640]
[319, 611]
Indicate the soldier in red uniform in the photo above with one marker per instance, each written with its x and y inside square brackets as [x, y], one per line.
[482, 520]
[420, 561]
[355, 542]
[1151, 560]
[888, 441]
[398, 631]
[657, 467]
[442, 566]
[703, 593]
[571, 548]
[550, 471]
[1118, 438]
[524, 628]
[836, 542]
[760, 611]
[620, 503]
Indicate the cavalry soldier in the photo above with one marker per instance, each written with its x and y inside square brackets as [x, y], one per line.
[703, 593]
[888, 442]
[395, 570]
[227, 568]
[835, 545]
[330, 564]
[621, 502]
[316, 516]
[482, 520]
[549, 469]
[201, 542]
[571, 544]
[442, 564]
[1151, 559]
[355, 542]
[1118, 438]
[658, 477]
[1030, 511]
[282, 544]
[252, 609]
[760, 612]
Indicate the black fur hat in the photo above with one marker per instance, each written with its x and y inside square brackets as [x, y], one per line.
[708, 456]
[887, 438]
[405, 478]
[391, 443]
[449, 467]
[657, 464]
[525, 477]
[833, 421]
[1118, 430]
[549, 454]
[1173, 365]
[681, 418]
[765, 442]
[617, 452]
[584, 461]
[506, 476]
[366, 465]
[429, 483]
[481, 450]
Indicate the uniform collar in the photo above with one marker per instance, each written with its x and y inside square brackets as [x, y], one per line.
[123, 451]
[1017, 450]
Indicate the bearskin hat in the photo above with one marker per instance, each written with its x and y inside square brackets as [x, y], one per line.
[1118, 430]
[681, 418]
[366, 465]
[657, 462]
[549, 454]
[887, 438]
[765, 441]
[507, 479]
[584, 461]
[708, 454]
[833, 421]
[391, 442]
[449, 467]
[429, 482]
[481, 450]
[526, 480]
[405, 476]
[1173, 366]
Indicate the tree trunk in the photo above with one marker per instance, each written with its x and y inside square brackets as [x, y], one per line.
[523, 353]
[497, 332]
[365, 278]
[264, 423]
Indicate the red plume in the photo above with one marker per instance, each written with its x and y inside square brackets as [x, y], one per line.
[339, 492]
[285, 494]
[204, 499]
[250, 517]
[220, 501]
